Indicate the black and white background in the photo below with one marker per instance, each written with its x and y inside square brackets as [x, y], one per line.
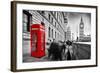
[61, 26]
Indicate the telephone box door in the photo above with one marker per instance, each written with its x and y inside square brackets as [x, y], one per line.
[37, 40]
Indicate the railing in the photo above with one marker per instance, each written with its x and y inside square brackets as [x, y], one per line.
[82, 50]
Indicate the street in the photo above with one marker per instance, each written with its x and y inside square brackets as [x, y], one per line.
[78, 52]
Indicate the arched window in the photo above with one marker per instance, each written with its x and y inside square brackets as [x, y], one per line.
[49, 31]
[52, 33]
[55, 34]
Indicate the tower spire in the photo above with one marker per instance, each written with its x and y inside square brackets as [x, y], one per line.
[81, 19]
[81, 32]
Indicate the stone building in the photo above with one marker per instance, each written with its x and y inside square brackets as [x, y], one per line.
[54, 21]
[68, 34]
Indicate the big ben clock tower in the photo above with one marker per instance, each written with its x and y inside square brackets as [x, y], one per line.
[81, 30]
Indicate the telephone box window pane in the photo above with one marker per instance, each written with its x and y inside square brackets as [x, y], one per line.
[34, 42]
[42, 40]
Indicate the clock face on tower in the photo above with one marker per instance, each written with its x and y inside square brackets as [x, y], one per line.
[81, 26]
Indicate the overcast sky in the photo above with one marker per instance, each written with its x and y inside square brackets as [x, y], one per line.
[74, 21]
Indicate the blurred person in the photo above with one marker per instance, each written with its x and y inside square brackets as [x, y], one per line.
[54, 51]
[68, 50]
[63, 47]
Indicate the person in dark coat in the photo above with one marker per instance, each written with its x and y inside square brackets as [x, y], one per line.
[68, 55]
[54, 51]
[63, 48]
[69, 43]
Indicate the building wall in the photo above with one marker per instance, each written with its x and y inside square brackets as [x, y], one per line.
[68, 34]
[53, 21]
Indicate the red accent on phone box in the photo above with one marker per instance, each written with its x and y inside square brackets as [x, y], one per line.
[37, 40]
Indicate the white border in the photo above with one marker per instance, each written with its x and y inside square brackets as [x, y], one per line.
[21, 65]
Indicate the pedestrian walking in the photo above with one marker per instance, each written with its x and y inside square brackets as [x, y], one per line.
[68, 50]
[63, 48]
[55, 51]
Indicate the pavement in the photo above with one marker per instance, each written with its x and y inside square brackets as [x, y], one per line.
[77, 52]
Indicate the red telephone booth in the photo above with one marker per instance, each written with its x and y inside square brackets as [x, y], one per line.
[37, 40]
